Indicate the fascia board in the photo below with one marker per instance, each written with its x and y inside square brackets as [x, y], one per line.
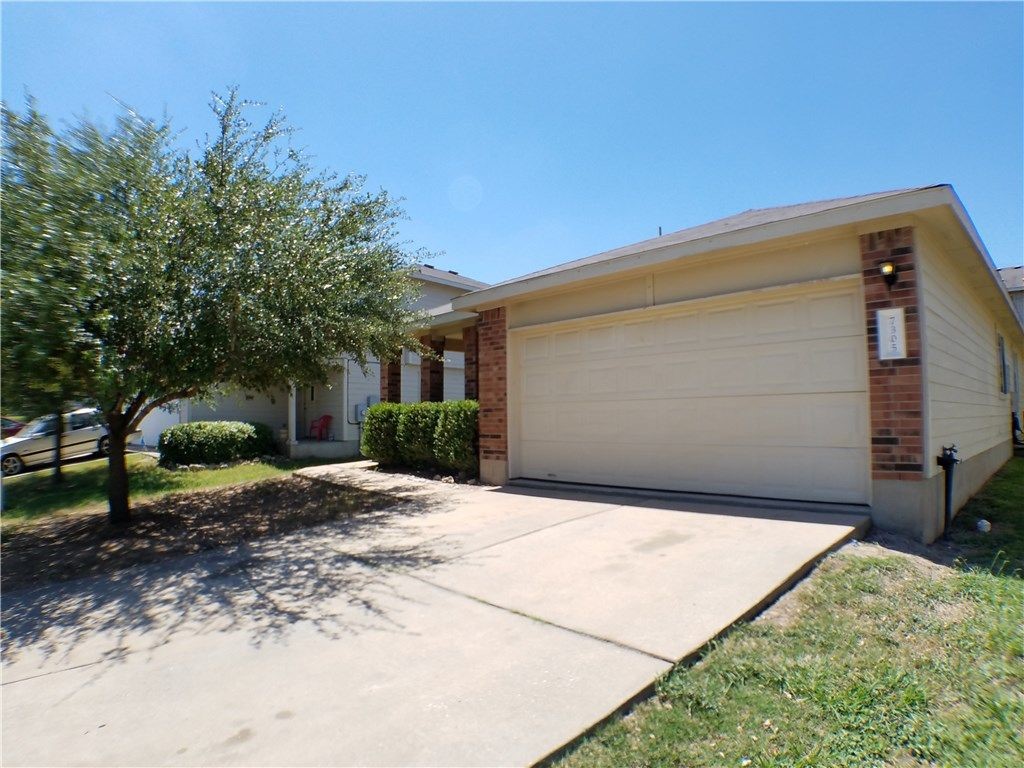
[653, 253]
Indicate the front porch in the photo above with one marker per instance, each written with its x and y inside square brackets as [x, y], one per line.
[307, 448]
[339, 402]
[446, 332]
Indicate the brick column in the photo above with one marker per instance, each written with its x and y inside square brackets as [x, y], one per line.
[391, 381]
[493, 384]
[432, 371]
[469, 344]
[895, 386]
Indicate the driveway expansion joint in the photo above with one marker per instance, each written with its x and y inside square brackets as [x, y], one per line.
[523, 535]
[539, 620]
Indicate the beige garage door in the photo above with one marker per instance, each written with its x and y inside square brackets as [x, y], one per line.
[762, 395]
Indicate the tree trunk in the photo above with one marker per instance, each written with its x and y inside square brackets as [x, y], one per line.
[57, 476]
[117, 481]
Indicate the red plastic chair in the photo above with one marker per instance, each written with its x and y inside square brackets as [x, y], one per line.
[320, 427]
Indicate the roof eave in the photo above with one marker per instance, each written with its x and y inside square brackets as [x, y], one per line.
[965, 221]
[657, 251]
[452, 281]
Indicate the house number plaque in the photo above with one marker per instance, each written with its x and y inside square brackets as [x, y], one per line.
[892, 334]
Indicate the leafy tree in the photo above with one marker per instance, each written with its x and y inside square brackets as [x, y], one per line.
[44, 234]
[237, 265]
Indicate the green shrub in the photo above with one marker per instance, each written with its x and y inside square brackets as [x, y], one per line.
[416, 426]
[432, 435]
[212, 442]
[380, 433]
[455, 438]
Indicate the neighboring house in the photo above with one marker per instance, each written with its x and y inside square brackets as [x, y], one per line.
[1013, 279]
[290, 412]
[761, 355]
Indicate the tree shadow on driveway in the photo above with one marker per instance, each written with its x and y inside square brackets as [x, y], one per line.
[337, 576]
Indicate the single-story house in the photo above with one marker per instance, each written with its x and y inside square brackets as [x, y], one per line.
[823, 352]
[291, 410]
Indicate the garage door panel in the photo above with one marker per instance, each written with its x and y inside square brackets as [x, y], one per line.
[841, 310]
[721, 324]
[603, 339]
[682, 380]
[829, 474]
[568, 344]
[782, 316]
[680, 331]
[604, 380]
[810, 366]
[777, 370]
[536, 384]
[535, 348]
[766, 399]
[640, 335]
[836, 364]
[816, 421]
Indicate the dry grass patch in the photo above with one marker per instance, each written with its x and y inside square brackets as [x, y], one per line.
[896, 655]
[65, 547]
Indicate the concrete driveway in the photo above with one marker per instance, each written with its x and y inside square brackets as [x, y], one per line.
[463, 626]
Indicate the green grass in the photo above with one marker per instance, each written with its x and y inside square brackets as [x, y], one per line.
[876, 659]
[1001, 502]
[32, 496]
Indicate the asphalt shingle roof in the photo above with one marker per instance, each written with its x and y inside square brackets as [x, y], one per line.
[1013, 278]
[751, 218]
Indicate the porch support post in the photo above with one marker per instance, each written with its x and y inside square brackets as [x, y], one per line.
[493, 342]
[432, 371]
[391, 380]
[291, 415]
[472, 369]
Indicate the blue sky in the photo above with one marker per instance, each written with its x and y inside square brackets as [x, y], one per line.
[525, 135]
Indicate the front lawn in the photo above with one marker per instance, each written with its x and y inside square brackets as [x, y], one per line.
[880, 657]
[32, 496]
[62, 547]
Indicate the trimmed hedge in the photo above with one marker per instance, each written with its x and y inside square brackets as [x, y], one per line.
[213, 442]
[416, 426]
[456, 436]
[426, 435]
[380, 433]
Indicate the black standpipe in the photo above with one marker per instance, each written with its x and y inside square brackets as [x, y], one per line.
[947, 461]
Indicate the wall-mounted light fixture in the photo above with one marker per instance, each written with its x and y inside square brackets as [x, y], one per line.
[887, 269]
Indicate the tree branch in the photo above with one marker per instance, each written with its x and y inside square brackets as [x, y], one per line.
[145, 411]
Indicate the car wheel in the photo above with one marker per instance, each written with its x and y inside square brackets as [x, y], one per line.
[103, 449]
[12, 465]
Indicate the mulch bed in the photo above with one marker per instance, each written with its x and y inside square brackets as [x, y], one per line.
[428, 474]
[69, 547]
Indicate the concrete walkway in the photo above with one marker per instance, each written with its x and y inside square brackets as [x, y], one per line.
[463, 626]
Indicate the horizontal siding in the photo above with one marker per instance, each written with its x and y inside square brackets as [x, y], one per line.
[434, 295]
[267, 408]
[363, 389]
[157, 421]
[454, 377]
[965, 405]
[322, 400]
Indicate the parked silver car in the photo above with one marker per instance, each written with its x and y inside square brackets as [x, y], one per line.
[84, 433]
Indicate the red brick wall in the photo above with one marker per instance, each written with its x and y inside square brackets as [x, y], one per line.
[432, 371]
[471, 357]
[391, 381]
[895, 386]
[492, 334]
